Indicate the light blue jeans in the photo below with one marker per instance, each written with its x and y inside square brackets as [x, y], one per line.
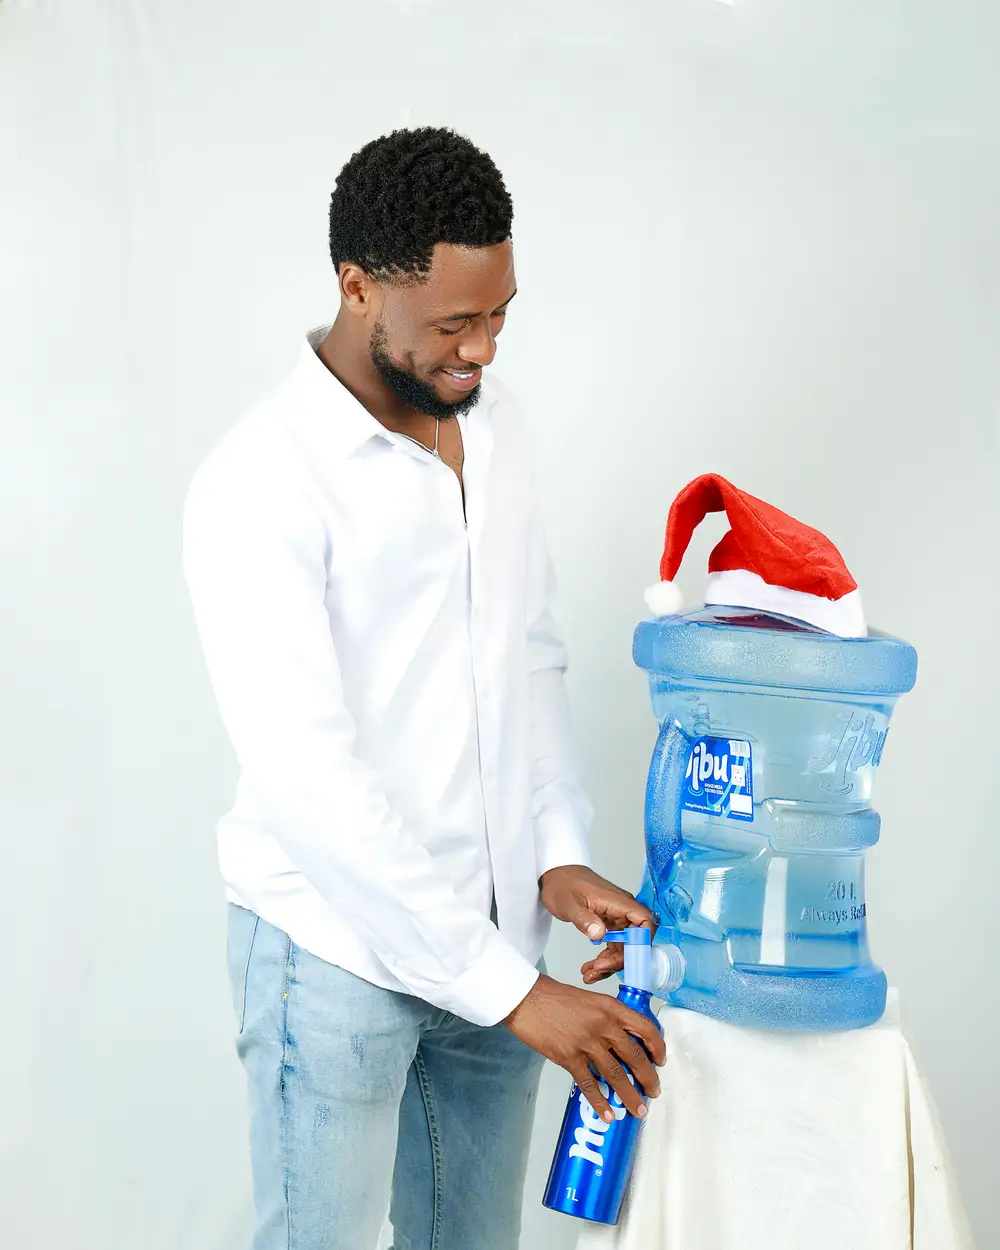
[359, 1094]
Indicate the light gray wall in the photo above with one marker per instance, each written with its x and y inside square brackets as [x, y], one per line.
[759, 239]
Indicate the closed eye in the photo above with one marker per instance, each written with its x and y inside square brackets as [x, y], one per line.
[499, 315]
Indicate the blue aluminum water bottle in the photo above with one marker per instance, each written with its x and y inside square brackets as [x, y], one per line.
[593, 1159]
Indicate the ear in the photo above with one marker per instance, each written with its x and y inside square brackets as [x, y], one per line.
[358, 290]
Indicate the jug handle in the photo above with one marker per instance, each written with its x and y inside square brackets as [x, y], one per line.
[664, 800]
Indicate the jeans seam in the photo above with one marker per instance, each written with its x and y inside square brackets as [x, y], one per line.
[427, 1095]
[246, 974]
[287, 982]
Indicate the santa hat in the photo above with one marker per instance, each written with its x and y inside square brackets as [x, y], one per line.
[767, 560]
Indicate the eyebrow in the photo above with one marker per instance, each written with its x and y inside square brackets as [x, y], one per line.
[470, 316]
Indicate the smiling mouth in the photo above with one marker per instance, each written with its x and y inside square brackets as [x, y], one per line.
[463, 379]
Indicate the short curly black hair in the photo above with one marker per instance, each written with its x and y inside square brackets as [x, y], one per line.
[406, 191]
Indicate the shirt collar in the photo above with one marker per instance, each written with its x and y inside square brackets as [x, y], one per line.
[345, 422]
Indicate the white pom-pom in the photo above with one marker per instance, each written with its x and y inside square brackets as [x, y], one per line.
[664, 599]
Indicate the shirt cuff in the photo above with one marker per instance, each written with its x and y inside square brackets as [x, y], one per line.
[559, 840]
[496, 983]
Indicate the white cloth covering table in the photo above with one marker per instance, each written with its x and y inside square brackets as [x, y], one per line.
[774, 1141]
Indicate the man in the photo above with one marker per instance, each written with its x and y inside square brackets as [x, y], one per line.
[372, 590]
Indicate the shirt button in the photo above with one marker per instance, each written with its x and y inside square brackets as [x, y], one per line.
[486, 691]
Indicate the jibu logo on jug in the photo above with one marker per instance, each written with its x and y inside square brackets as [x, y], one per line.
[856, 742]
[719, 778]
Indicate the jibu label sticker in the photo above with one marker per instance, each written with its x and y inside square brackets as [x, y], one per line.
[719, 778]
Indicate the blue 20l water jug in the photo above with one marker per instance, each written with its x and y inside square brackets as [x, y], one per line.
[758, 814]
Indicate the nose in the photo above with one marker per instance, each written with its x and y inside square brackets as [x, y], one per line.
[478, 346]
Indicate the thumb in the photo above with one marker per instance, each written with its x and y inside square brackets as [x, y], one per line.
[588, 922]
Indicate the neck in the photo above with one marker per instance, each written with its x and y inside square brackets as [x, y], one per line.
[349, 361]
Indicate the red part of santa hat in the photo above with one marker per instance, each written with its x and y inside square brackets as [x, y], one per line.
[767, 560]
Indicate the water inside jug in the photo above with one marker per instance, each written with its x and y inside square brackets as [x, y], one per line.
[758, 812]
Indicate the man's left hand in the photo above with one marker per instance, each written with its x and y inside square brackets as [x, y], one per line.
[579, 896]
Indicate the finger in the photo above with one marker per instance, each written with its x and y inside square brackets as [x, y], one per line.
[626, 915]
[646, 1031]
[606, 898]
[616, 1075]
[637, 914]
[591, 1090]
[608, 962]
[613, 917]
[612, 957]
[639, 1064]
[589, 922]
[591, 976]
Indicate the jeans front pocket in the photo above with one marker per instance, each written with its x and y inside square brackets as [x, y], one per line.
[243, 926]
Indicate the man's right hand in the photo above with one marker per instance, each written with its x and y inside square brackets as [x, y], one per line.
[577, 1028]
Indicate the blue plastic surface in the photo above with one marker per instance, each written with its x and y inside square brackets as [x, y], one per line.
[758, 812]
[637, 969]
[593, 1160]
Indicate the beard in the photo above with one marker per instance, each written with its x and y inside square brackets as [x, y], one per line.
[408, 388]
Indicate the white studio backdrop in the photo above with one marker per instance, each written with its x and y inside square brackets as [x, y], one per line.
[758, 238]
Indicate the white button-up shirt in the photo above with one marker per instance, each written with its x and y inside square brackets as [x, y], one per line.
[392, 682]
